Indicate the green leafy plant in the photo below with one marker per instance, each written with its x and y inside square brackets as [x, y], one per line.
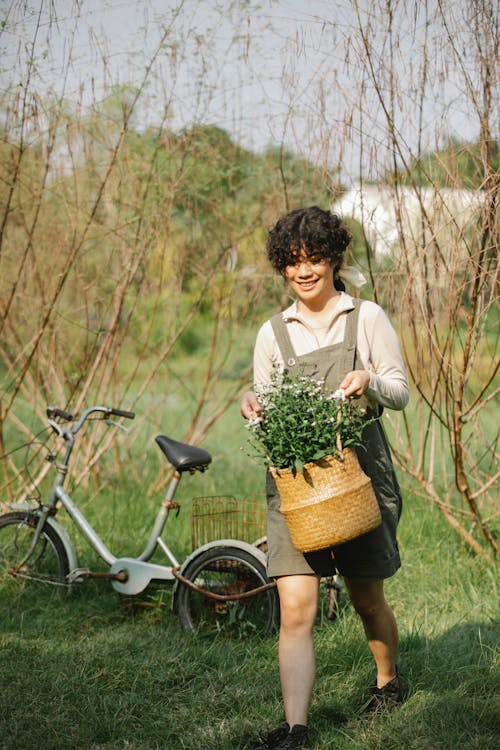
[302, 420]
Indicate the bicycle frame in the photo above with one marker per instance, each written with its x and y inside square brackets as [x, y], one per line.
[128, 575]
[139, 572]
[221, 583]
[95, 541]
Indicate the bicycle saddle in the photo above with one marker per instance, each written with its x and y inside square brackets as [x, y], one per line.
[183, 456]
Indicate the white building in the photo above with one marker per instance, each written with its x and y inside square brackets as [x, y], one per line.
[414, 216]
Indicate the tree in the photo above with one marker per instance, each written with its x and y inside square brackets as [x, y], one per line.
[120, 245]
[449, 330]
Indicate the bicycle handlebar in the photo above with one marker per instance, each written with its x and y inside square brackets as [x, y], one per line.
[121, 413]
[107, 411]
[52, 412]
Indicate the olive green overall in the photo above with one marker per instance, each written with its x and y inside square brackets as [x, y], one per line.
[374, 555]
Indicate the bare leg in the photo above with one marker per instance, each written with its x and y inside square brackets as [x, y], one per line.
[379, 624]
[298, 606]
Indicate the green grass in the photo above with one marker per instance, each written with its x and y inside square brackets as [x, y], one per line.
[91, 672]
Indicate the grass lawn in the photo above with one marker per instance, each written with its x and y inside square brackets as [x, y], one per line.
[91, 672]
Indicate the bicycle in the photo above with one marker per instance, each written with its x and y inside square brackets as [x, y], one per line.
[220, 584]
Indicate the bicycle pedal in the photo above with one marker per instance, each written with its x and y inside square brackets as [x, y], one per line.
[78, 575]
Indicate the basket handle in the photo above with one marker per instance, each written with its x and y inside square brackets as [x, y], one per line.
[339, 441]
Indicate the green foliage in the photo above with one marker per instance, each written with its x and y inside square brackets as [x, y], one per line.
[459, 165]
[302, 421]
[214, 169]
[293, 180]
[133, 270]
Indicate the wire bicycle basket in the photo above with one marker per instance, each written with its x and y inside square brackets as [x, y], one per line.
[224, 517]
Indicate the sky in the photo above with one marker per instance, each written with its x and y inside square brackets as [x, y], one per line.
[268, 71]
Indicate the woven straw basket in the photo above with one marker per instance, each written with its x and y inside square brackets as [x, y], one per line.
[330, 503]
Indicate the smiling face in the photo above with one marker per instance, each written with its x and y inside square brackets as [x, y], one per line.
[311, 278]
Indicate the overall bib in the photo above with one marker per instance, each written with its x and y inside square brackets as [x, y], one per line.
[374, 555]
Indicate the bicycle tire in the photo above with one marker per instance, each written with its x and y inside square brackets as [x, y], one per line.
[227, 571]
[331, 598]
[48, 562]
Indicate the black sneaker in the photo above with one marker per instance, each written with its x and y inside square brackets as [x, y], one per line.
[388, 697]
[284, 738]
[273, 738]
[297, 738]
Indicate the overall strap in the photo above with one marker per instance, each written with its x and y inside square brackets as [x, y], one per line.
[350, 341]
[283, 340]
[351, 330]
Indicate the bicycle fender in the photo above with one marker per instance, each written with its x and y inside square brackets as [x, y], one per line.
[60, 530]
[231, 543]
[65, 539]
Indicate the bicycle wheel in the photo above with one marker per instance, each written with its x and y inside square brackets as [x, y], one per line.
[331, 597]
[47, 563]
[227, 571]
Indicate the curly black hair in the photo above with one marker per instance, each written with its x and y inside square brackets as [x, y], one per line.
[319, 233]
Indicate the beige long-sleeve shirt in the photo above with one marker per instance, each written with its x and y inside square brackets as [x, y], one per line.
[378, 348]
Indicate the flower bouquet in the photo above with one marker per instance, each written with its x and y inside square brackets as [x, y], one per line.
[306, 436]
